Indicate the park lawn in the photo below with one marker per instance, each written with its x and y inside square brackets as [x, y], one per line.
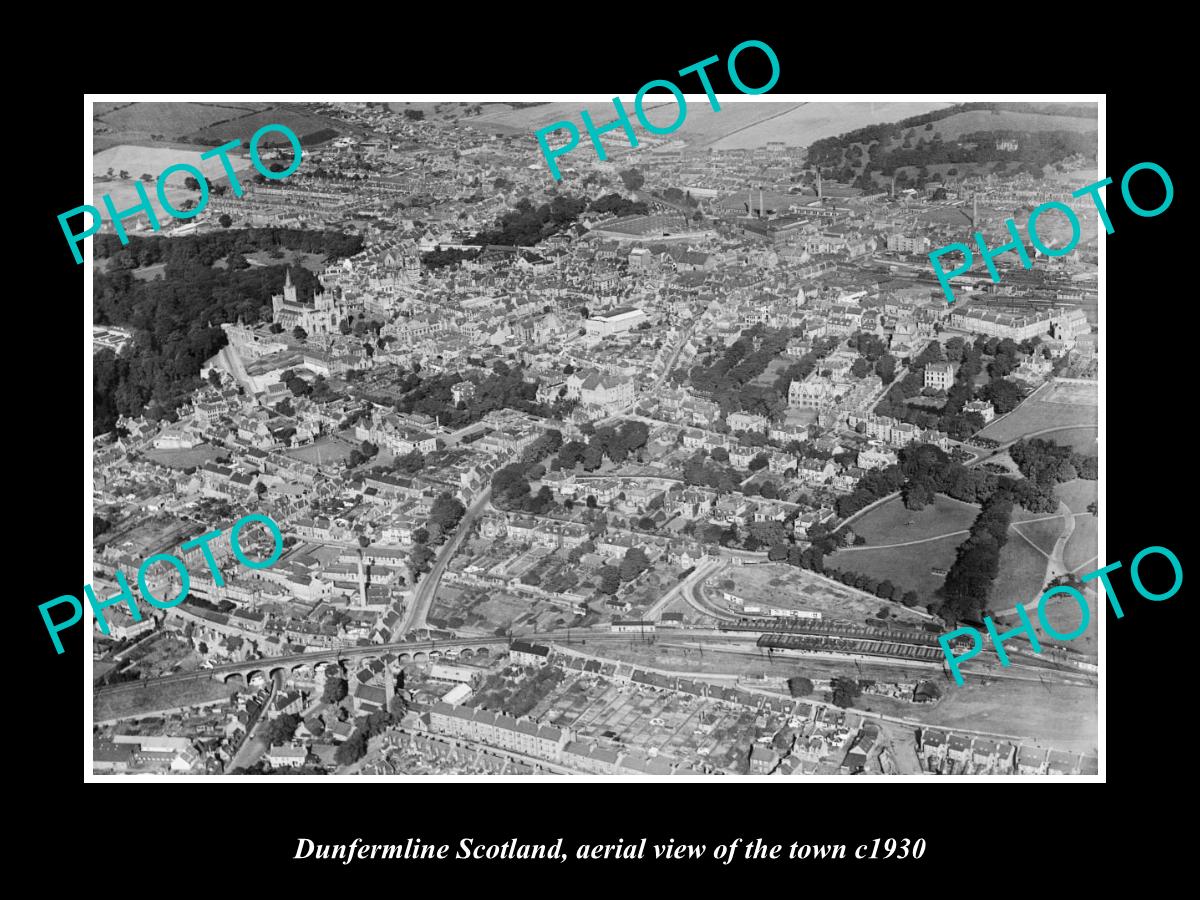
[1037, 414]
[1044, 533]
[1077, 494]
[909, 568]
[1081, 440]
[1022, 575]
[314, 262]
[892, 523]
[1084, 544]
[156, 697]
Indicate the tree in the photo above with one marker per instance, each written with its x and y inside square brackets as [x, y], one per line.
[799, 686]
[224, 220]
[299, 333]
[335, 690]
[190, 183]
[917, 495]
[420, 559]
[910, 599]
[885, 368]
[610, 580]
[351, 750]
[632, 179]
[280, 730]
[446, 512]
[1004, 395]
[861, 368]
[844, 691]
[634, 563]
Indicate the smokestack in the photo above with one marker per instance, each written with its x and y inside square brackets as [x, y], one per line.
[762, 209]
[975, 210]
[819, 194]
[893, 186]
[749, 200]
[362, 582]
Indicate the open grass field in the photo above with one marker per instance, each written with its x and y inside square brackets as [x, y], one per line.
[170, 119]
[1058, 406]
[152, 698]
[891, 523]
[908, 567]
[953, 127]
[1081, 440]
[325, 448]
[292, 115]
[314, 262]
[1043, 533]
[1065, 716]
[808, 122]
[740, 123]
[1022, 574]
[1084, 544]
[139, 161]
[185, 459]
[1077, 494]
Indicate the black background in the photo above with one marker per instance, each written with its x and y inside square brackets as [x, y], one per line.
[975, 829]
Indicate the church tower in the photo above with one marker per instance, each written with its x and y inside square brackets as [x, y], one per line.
[289, 288]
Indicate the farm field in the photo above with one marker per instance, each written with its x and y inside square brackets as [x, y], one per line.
[812, 121]
[909, 568]
[172, 120]
[292, 115]
[740, 123]
[891, 523]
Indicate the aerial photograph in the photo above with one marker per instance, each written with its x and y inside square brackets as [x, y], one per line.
[677, 465]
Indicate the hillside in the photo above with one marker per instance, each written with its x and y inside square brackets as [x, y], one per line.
[741, 122]
[971, 138]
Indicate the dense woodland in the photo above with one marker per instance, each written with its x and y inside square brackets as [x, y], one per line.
[176, 318]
